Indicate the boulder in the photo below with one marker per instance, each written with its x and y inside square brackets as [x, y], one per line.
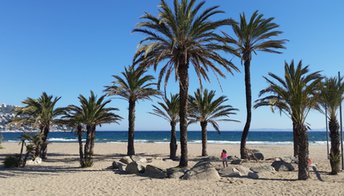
[155, 172]
[282, 166]
[139, 159]
[254, 154]
[289, 159]
[263, 168]
[242, 170]
[135, 168]
[229, 171]
[214, 158]
[237, 161]
[175, 172]
[126, 160]
[203, 170]
[252, 175]
[119, 165]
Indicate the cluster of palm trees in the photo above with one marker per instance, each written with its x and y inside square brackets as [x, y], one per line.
[296, 95]
[41, 113]
[185, 36]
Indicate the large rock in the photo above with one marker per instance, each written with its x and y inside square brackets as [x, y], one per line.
[254, 154]
[229, 171]
[139, 159]
[126, 160]
[135, 168]
[155, 172]
[214, 158]
[282, 166]
[252, 175]
[237, 161]
[203, 170]
[237, 171]
[243, 170]
[175, 172]
[289, 159]
[119, 165]
[263, 168]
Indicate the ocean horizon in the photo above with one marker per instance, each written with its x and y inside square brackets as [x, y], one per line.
[225, 137]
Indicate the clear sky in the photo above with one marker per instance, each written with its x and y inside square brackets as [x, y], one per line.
[67, 48]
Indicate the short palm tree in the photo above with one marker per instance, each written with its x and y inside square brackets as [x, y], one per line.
[205, 108]
[252, 36]
[40, 113]
[181, 37]
[294, 95]
[132, 85]
[73, 118]
[331, 96]
[169, 110]
[91, 113]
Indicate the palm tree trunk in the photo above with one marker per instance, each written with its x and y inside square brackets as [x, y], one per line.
[93, 136]
[335, 142]
[204, 138]
[303, 152]
[173, 142]
[87, 155]
[44, 145]
[131, 149]
[25, 158]
[296, 140]
[21, 152]
[183, 109]
[247, 64]
[38, 147]
[81, 152]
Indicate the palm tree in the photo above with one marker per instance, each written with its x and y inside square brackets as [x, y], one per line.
[332, 90]
[133, 86]
[255, 35]
[294, 95]
[40, 113]
[204, 108]
[73, 118]
[179, 37]
[169, 110]
[91, 113]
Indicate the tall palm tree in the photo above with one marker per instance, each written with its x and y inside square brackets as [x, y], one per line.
[132, 85]
[169, 110]
[252, 36]
[40, 113]
[294, 95]
[205, 108]
[92, 112]
[331, 96]
[181, 37]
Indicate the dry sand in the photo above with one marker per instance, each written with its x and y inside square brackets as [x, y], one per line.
[61, 174]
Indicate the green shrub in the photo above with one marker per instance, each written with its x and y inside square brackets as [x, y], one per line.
[11, 161]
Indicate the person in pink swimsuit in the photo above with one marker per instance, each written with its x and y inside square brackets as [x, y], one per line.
[224, 158]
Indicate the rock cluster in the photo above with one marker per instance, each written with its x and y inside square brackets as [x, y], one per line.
[202, 170]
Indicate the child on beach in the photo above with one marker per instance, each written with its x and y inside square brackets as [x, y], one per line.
[224, 158]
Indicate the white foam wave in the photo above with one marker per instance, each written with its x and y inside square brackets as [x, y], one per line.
[62, 140]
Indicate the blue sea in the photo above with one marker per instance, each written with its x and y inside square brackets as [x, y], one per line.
[230, 137]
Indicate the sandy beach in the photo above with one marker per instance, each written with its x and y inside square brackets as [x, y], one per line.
[61, 174]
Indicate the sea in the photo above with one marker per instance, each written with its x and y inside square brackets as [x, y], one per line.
[225, 137]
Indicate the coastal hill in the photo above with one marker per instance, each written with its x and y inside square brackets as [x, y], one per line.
[7, 114]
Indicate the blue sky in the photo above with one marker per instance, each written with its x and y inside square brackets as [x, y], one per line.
[67, 48]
